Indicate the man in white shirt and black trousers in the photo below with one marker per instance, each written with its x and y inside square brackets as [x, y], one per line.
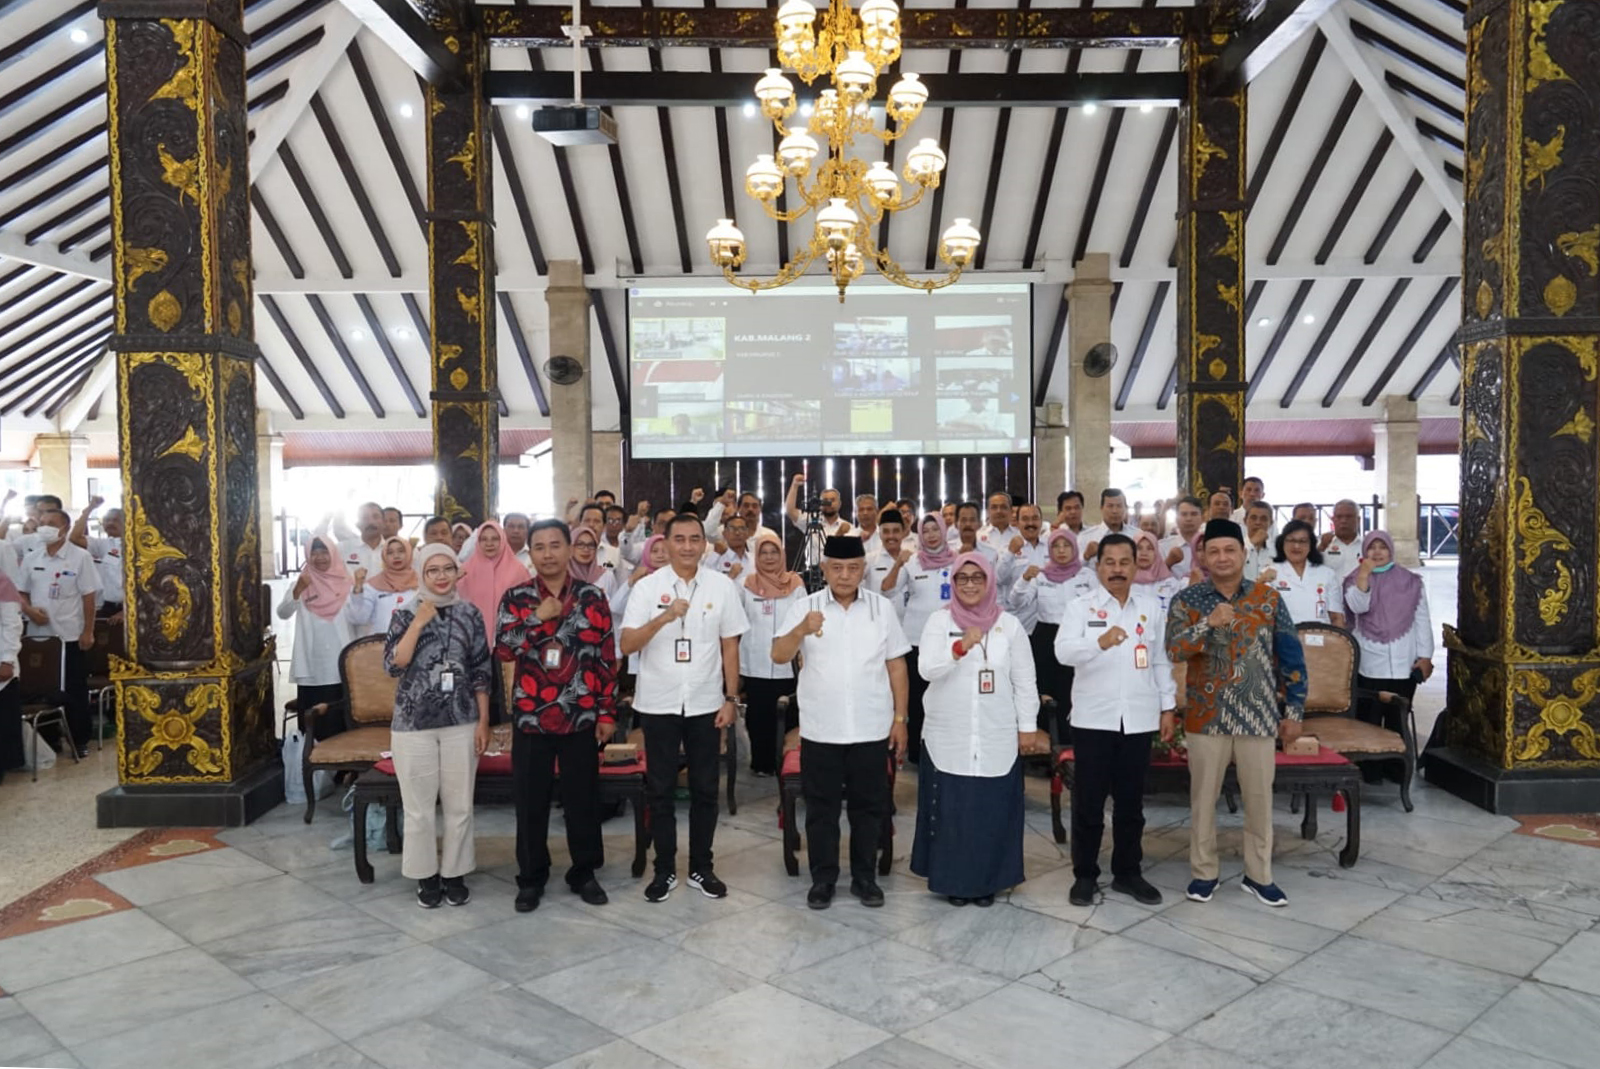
[852, 693]
[1115, 641]
[684, 622]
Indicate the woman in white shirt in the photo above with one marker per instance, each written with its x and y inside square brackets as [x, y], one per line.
[395, 587]
[1309, 588]
[767, 593]
[652, 555]
[1154, 577]
[927, 591]
[585, 565]
[1389, 609]
[11, 752]
[982, 706]
[1061, 580]
[326, 603]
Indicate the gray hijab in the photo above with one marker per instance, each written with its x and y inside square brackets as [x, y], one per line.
[426, 553]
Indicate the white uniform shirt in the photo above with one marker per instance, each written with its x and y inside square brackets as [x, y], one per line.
[765, 616]
[872, 543]
[384, 605]
[1390, 660]
[10, 639]
[57, 585]
[997, 538]
[1312, 596]
[843, 685]
[107, 554]
[1098, 532]
[693, 687]
[1257, 559]
[1342, 557]
[314, 661]
[1163, 590]
[1108, 686]
[611, 557]
[1010, 567]
[927, 591]
[357, 554]
[1044, 601]
[965, 731]
[879, 565]
[1183, 567]
[725, 560]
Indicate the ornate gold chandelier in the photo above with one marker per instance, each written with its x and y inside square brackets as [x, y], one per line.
[848, 196]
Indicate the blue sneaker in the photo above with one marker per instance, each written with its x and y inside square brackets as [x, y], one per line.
[1201, 890]
[1267, 893]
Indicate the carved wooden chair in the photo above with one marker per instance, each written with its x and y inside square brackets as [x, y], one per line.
[39, 668]
[1332, 659]
[367, 711]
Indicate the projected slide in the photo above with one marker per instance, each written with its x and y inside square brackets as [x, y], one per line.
[718, 373]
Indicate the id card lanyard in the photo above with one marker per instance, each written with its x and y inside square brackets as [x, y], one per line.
[1141, 652]
[985, 674]
[683, 648]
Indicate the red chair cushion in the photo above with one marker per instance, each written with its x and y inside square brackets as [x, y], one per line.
[1323, 756]
[791, 764]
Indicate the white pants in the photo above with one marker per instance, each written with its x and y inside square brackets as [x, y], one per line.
[436, 765]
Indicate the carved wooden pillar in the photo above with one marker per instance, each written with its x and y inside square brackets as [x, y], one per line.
[1524, 688]
[1211, 211]
[466, 392]
[196, 740]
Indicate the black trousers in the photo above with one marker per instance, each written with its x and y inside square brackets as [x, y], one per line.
[534, 783]
[107, 609]
[855, 774]
[1108, 763]
[1370, 709]
[1055, 679]
[918, 688]
[75, 691]
[761, 719]
[699, 738]
[12, 754]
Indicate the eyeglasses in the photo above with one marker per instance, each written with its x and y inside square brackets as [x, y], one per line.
[971, 580]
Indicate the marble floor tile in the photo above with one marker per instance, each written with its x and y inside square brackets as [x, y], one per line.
[370, 995]
[1464, 1053]
[1572, 861]
[145, 885]
[1545, 1021]
[1143, 983]
[212, 915]
[292, 852]
[759, 871]
[1322, 862]
[889, 985]
[637, 987]
[1181, 1053]
[1416, 831]
[1018, 1024]
[20, 1035]
[292, 952]
[50, 1059]
[1576, 965]
[771, 940]
[1249, 957]
[1521, 892]
[1481, 937]
[255, 1031]
[114, 1000]
[618, 1054]
[1242, 917]
[493, 901]
[1328, 901]
[687, 908]
[338, 1056]
[338, 878]
[901, 1054]
[496, 1029]
[906, 903]
[759, 1028]
[552, 938]
[1002, 939]
[1112, 912]
[81, 947]
[1289, 1028]
[1401, 982]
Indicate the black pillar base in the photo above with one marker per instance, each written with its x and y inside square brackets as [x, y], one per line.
[228, 805]
[1513, 792]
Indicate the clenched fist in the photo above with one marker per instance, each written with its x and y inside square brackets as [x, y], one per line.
[548, 610]
[1221, 616]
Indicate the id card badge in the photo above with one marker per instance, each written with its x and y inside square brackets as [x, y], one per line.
[683, 650]
[944, 591]
[447, 682]
[1141, 656]
[766, 607]
[986, 681]
[55, 591]
[552, 657]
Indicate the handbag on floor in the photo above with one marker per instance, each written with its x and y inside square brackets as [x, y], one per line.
[294, 784]
[31, 743]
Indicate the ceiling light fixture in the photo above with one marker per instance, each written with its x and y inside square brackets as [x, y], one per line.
[79, 35]
[405, 111]
[1309, 319]
[1263, 322]
[357, 335]
[1090, 108]
[523, 113]
[1146, 109]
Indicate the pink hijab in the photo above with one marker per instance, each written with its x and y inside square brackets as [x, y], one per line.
[329, 590]
[645, 566]
[591, 572]
[1060, 573]
[942, 556]
[986, 613]
[1159, 570]
[484, 580]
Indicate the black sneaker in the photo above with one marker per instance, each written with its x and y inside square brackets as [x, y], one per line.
[429, 893]
[661, 888]
[1138, 888]
[707, 884]
[528, 898]
[592, 892]
[869, 893]
[1082, 893]
[820, 896]
[455, 890]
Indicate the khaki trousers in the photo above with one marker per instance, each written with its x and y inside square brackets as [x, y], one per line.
[1253, 759]
[437, 765]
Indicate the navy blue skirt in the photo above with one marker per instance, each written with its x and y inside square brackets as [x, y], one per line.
[969, 831]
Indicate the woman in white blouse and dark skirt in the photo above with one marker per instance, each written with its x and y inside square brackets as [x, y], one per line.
[326, 604]
[1389, 609]
[980, 713]
[1062, 579]
[767, 594]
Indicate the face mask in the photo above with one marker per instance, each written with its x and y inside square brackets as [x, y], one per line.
[1380, 569]
[48, 535]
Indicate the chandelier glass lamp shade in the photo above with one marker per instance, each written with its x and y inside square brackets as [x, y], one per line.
[845, 196]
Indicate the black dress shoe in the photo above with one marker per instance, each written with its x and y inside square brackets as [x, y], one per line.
[957, 900]
[1082, 893]
[820, 896]
[1138, 888]
[869, 893]
[592, 893]
[528, 899]
[983, 901]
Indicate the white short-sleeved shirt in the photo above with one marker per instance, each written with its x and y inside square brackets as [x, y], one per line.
[695, 686]
[1010, 567]
[57, 583]
[1044, 601]
[1184, 566]
[1390, 660]
[879, 565]
[765, 616]
[1109, 687]
[1098, 533]
[107, 554]
[872, 543]
[1257, 559]
[1308, 597]
[965, 731]
[927, 591]
[724, 562]
[1342, 557]
[1163, 590]
[384, 605]
[843, 687]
